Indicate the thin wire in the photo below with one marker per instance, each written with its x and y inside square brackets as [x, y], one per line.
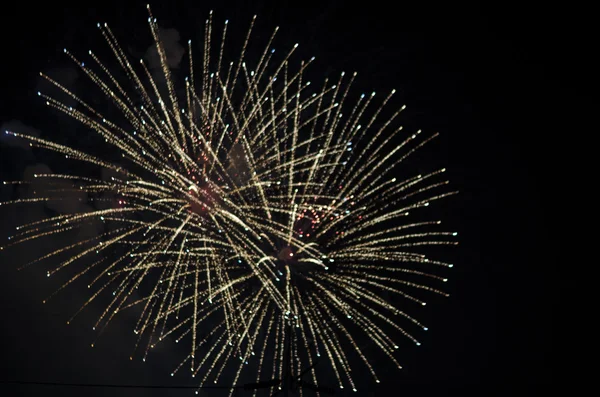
[16, 382]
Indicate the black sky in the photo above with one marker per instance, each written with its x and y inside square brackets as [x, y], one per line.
[487, 78]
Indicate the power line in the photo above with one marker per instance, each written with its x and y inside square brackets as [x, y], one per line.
[114, 386]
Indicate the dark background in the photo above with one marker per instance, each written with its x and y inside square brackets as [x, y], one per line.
[492, 80]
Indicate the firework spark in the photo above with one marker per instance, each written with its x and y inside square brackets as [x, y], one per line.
[247, 199]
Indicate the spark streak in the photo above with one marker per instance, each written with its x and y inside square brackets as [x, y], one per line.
[254, 202]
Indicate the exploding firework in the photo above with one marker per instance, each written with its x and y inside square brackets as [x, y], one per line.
[250, 200]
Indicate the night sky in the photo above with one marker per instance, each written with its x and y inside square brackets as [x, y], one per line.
[486, 79]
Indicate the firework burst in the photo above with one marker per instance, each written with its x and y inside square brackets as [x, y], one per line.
[250, 200]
